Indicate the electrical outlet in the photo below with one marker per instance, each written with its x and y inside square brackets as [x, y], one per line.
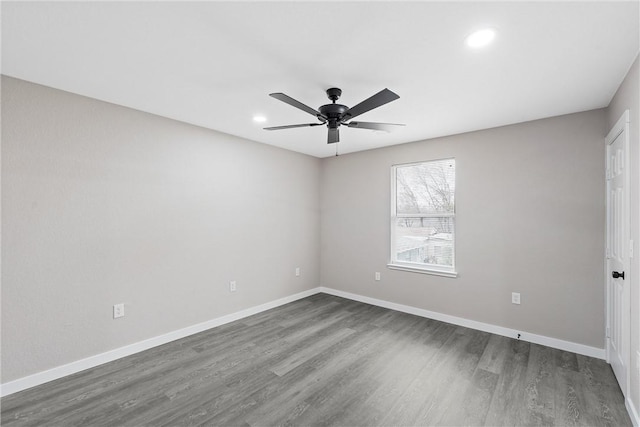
[232, 286]
[377, 276]
[515, 297]
[118, 311]
[297, 271]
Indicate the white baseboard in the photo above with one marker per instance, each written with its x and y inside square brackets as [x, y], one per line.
[111, 355]
[633, 412]
[486, 327]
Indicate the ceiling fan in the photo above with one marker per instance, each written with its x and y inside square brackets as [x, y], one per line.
[336, 115]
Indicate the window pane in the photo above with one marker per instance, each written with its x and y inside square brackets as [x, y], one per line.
[424, 240]
[426, 187]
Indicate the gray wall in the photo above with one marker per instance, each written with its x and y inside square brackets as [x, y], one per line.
[103, 205]
[628, 97]
[530, 219]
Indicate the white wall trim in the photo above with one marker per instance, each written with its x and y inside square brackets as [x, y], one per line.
[111, 355]
[633, 412]
[586, 350]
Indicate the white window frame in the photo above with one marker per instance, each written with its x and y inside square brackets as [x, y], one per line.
[394, 264]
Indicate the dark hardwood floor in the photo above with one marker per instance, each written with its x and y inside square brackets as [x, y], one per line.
[325, 360]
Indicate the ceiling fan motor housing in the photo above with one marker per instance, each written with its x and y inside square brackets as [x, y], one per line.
[333, 111]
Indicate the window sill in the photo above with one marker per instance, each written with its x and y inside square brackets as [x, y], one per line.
[431, 271]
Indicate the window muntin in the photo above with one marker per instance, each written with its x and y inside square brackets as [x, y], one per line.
[423, 217]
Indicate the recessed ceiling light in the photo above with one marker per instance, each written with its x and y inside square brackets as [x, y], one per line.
[259, 119]
[481, 38]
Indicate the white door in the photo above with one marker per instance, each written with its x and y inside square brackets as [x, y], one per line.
[617, 271]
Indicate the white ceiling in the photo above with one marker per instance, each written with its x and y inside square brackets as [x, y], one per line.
[213, 64]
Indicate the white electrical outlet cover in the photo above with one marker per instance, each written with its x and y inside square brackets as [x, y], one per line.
[515, 298]
[118, 311]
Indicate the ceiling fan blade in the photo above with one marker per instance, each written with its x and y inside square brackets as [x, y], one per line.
[380, 98]
[334, 136]
[294, 103]
[293, 126]
[371, 125]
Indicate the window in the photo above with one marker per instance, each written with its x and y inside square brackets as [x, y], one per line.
[423, 217]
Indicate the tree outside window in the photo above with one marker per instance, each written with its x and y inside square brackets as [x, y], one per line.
[423, 215]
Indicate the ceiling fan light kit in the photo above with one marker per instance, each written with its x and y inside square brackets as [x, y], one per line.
[334, 115]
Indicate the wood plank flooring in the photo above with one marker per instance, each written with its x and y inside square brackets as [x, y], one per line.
[325, 360]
